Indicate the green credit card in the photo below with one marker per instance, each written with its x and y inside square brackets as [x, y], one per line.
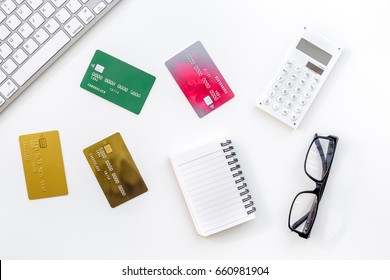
[118, 82]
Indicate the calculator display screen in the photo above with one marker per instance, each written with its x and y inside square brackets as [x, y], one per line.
[314, 52]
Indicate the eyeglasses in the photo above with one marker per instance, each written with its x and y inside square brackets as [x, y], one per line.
[318, 161]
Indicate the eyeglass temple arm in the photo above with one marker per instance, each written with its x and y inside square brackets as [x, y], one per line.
[322, 155]
[325, 160]
[312, 215]
[300, 221]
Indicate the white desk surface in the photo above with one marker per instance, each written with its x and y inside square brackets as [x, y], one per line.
[247, 40]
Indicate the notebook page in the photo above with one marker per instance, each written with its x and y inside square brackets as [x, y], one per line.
[209, 188]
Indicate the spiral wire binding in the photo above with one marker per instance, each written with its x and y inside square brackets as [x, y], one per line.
[241, 185]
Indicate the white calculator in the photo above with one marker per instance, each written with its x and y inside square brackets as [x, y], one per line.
[300, 77]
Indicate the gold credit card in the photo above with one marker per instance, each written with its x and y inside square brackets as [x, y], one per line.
[43, 164]
[115, 170]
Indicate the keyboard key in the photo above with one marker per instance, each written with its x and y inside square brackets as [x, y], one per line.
[19, 1]
[99, 7]
[30, 46]
[20, 56]
[26, 30]
[5, 50]
[8, 88]
[34, 3]
[58, 3]
[43, 55]
[13, 22]
[36, 20]
[108, 1]
[41, 36]
[9, 66]
[63, 15]
[2, 76]
[24, 12]
[47, 10]
[8, 6]
[2, 101]
[73, 27]
[15, 40]
[2, 16]
[52, 25]
[86, 15]
[73, 6]
[4, 32]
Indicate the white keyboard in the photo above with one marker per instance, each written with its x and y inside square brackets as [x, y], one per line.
[34, 33]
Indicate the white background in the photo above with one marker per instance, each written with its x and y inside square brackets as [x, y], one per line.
[247, 40]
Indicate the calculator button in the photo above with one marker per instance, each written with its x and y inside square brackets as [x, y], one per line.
[284, 111]
[302, 81]
[302, 102]
[298, 109]
[294, 117]
[306, 74]
[276, 106]
[271, 93]
[275, 86]
[298, 68]
[316, 78]
[298, 89]
[280, 99]
[293, 76]
[289, 63]
[307, 94]
[312, 87]
[289, 84]
[289, 104]
[266, 101]
[284, 91]
[280, 78]
[284, 71]
[293, 96]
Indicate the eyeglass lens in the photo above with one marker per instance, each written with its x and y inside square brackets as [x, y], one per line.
[303, 212]
[319, 158]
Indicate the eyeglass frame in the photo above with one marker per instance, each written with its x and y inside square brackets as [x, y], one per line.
[318, 191]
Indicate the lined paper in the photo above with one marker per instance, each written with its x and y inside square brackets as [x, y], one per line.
[209, 188]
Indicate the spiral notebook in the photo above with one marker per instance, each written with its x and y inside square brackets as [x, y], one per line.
[213, 186]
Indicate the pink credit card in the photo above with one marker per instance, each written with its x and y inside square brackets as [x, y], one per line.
[199, 79]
